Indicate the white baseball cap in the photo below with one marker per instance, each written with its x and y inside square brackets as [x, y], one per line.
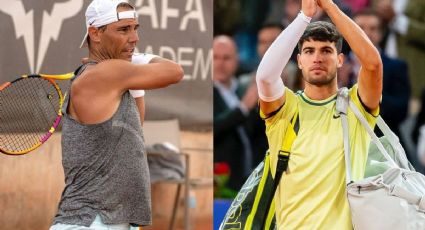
[104, 12]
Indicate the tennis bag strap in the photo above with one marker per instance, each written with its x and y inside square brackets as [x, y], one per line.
[282, 165]
[249, 209]
[343, 102]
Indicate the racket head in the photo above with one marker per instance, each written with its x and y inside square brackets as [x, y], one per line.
[30, 111]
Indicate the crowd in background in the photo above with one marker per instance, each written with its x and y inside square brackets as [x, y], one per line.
[244, 29]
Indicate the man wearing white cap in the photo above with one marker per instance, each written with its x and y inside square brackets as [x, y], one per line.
[106, 173]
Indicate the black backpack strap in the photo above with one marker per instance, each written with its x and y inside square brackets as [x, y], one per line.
[283, 159]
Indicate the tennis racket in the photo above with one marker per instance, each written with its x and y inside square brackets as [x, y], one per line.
[30, 111]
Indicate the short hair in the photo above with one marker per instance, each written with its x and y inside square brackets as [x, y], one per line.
[125, 5]
[271, 25]
[321, 31]
[369, 12]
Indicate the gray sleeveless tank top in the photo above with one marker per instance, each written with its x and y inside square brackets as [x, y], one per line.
[106, 170]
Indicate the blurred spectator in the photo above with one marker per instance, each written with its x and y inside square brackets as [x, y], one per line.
[291, 10]
[227, 16]
[322, 16]
[406, 36]
[357, 5]
[421, 146]
[420, 120]
[253, 14]
[396, 86]
[232, 105]
[276, 11]
[418, 133]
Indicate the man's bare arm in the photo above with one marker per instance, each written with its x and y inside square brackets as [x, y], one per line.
[370, 75]
[119, 75]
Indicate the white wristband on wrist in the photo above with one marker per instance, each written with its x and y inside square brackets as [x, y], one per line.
[137, 93]
[140, 59]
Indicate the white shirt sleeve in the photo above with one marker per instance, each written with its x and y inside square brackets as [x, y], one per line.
[269, 83]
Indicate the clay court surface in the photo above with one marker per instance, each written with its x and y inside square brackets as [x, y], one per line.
[30, 187]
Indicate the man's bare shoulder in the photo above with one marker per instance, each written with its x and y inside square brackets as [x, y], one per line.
[109, 67]
[104, 72]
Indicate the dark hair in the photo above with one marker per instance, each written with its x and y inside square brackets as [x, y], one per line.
[369, 12]
[321, 31]
[272, 25]
[102, 28]
[125, 5]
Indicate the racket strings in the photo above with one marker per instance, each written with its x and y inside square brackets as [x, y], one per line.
[16, 111]
[7, 122]
[20, 134]
[16, 133]
[28, 110]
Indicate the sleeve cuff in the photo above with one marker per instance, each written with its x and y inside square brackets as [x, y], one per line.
[304, 17]
[137, 93]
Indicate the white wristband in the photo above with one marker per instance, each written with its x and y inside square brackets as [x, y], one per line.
[142, 58]
[137, 93]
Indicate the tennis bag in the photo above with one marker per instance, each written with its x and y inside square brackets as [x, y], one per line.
[253, 206]
[392, 199]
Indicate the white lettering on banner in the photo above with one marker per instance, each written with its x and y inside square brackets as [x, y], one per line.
[167, 13]
[149, 10]
[204, 65]
[193, 14]
[50, 28]
[184, 62]
[167, 52]
[188, 57]
[192, 11]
